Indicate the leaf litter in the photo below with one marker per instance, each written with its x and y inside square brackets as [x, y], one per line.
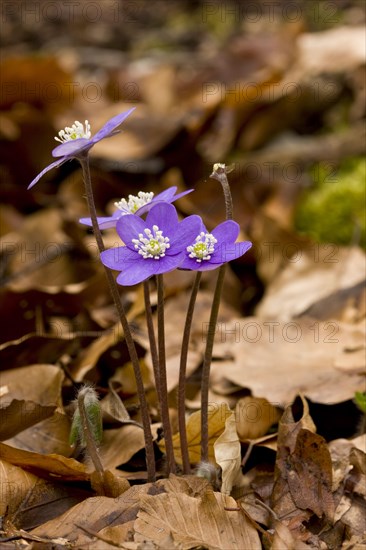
[290, 334]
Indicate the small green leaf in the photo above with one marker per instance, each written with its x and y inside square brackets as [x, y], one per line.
[360, 400]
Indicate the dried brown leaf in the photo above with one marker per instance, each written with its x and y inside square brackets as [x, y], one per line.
[274, 358]
[194, 522]
[227, 451]
[217, 415]
[52, 466]
[254, 416]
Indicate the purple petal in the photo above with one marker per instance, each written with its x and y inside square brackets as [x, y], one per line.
[45, 170]
[166, 195]
[185, 234]
[193, 265]
[226, 232]
[117, 258]
[168, 263]
[111, 125]
[72, 148]
[128, 227]
[104, 222]
[134, 273]
[226, 252]
[182, 194]
[142, 269]
[165, 216]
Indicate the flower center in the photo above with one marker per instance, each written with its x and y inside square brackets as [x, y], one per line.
[134, 202]
[76, 131]
[203, 247]
[151, 244]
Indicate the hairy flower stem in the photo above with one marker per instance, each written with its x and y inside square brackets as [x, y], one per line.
[163, 390]
[182, 375]
[219, 173]
[91, 446]
[152, 339]
[149, 445]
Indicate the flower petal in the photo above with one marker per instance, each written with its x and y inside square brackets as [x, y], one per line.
[136, 272]
[227, 231]
[45, 170]
[111, 125]
[193, 265]
[226, 251]
[72, 148]
[128, 227]
[166, 194]
[117, 258]
[165, 216]
[104, 222]
[185, 234]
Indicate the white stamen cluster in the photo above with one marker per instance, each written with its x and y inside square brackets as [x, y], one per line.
[153, 244]
[203, 247]
[76, 131]
[134, 202]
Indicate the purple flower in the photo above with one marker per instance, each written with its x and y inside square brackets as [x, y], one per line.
[208, 251]
[76, 141]
[153, 247]
[136, 204]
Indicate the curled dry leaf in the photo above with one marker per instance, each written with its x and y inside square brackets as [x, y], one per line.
[217, 415]
[48, 466]
[303, 473]
[109, 484]
[227, 451]
[254, 416]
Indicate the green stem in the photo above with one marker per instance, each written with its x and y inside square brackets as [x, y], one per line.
[149, 444]
[163, 389]
[219, 173]
[182, 375]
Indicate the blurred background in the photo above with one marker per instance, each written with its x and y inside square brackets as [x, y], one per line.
[274, 88]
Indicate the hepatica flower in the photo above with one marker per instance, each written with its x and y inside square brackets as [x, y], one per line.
[210, 250]
[152, 247]
[76, 140]
[136, 204]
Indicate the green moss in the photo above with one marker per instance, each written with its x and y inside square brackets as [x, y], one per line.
[334, 209]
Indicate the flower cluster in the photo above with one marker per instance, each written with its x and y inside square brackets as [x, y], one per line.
[136, 204]
[162, 243]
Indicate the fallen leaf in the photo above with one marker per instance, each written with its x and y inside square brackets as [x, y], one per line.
[227, 451]
[283, 539]
[254, 416]
[217, 415]
[50, 466]
[276, 359]
[34, 394]
[309, 277]
[195, 522]
[310, 475]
